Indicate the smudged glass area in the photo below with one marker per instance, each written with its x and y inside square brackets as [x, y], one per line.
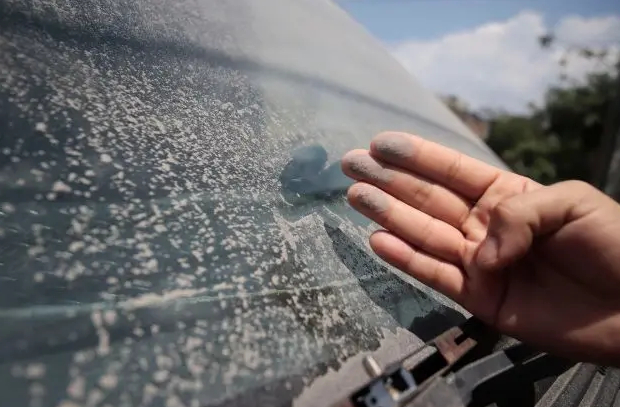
[173, 229]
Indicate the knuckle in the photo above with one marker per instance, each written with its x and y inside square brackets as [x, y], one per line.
[462, 219]
[427, 233]
[412, 262]
[453, 169]
[506, 211]
[575, 184]
[580, 187]
[584, 197]
[422, 194]
[434, 275]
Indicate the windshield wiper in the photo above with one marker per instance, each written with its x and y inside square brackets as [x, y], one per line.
[446, 378]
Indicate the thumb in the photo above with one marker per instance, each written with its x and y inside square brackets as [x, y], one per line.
[516, 221]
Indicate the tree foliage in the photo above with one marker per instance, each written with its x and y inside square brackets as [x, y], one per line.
[562, 138]
[522, 143]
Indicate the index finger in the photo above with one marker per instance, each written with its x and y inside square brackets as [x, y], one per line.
[456, 171]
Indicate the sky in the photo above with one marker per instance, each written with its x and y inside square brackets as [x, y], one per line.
[487, 51]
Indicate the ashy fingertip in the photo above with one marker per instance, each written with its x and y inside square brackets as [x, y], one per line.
[360, 165]
[367, 198]
[348, 157]
[392, 146]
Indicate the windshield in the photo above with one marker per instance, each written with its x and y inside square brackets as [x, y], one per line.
[173, 229]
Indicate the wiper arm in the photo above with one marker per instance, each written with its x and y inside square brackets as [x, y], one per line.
[441, 379]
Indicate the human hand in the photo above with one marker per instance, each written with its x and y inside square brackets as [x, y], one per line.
[540, 263]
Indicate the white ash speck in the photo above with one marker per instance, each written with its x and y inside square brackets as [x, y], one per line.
[77, 388]
[108, 381]
[160, 376]
[109, 317]
[60, 186]
[35, 251]
[35, 370]
[103, 335]
[76, 246]
[8, 207]
[94, 397]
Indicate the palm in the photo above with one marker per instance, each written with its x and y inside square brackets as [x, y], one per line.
[488, 293]
[436, 204]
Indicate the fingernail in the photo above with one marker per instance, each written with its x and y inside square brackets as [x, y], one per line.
[487, 253]
[370, 198]
[366, 168]
[394, 146]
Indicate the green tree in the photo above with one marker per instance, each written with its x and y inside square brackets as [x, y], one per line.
[563, 138]
[522, 143]
[576, 116]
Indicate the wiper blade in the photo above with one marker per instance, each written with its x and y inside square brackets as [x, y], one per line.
[442, 379]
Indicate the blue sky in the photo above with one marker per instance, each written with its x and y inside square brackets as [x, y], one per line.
[486, 51]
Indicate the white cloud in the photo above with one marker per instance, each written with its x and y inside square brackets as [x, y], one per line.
[501, 64]
[603, 31]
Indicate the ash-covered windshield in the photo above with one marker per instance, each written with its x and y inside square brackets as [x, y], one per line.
[173, 229]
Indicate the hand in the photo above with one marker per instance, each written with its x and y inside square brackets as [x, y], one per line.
[540, 263]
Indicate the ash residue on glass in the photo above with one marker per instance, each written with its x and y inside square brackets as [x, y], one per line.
[150, 253]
